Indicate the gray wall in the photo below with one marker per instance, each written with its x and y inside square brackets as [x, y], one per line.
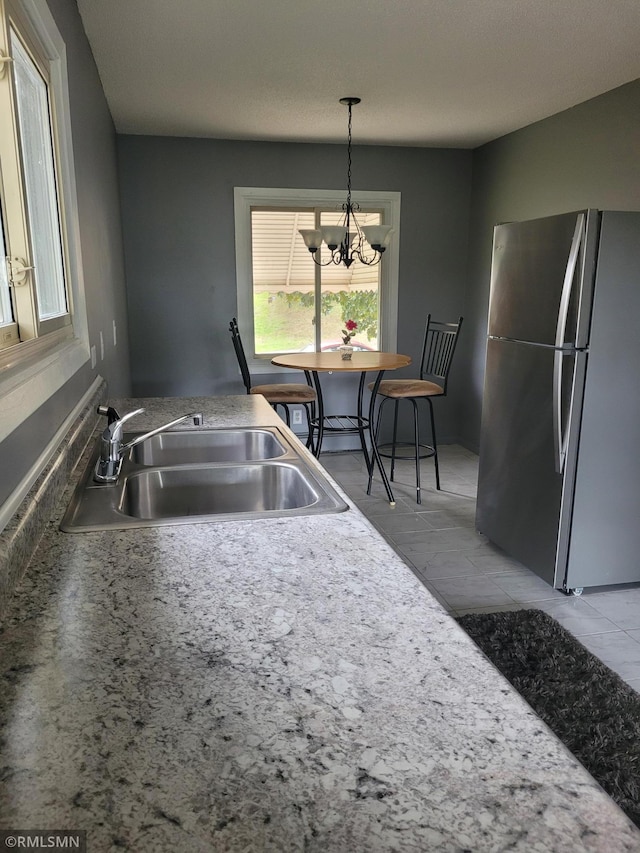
[101, 244]
[178, 222]
[588, 156]
[95, 154]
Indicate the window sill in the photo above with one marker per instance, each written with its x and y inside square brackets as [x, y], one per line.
[34, 372]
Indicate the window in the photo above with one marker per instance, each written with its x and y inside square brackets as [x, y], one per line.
[298, 304]
[286, 302]
[43, 329]
[34, 294]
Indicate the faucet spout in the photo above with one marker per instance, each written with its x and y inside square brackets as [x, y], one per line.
[112, 449]
[196, 417]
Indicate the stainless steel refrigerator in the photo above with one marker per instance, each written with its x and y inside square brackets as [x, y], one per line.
[559, 483]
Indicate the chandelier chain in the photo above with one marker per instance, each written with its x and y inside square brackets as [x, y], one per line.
[349, 163]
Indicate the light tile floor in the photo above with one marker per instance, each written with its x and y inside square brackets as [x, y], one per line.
[467, 573]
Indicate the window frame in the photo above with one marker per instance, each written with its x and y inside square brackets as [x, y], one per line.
[32, 371]
[27, 297]
[388, 203]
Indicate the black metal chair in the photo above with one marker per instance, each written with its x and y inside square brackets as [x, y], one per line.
[283, 394]
[438, 349]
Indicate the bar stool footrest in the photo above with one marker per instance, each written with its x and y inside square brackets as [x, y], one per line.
[386, 451]
[341, 423]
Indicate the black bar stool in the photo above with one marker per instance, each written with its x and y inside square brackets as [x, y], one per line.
[438, 349]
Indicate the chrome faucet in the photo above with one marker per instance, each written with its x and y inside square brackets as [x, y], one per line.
[111, 447]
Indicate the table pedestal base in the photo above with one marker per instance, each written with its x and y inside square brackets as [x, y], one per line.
[314, 363]
[350, 425]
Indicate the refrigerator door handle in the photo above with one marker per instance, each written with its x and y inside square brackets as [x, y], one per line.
[559, 433]
[569, 275]
[559, 438]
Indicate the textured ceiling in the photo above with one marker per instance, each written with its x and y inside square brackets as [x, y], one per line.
[430, 72]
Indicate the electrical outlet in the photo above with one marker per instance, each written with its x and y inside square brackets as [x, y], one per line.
[297, 417]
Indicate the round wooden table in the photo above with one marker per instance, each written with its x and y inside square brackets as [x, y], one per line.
[314, 363]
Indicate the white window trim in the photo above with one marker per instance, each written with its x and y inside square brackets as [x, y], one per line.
[31, 373]
[247, 197]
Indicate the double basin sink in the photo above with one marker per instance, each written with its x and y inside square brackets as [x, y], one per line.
[189, 476]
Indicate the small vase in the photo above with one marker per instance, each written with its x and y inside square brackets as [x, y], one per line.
[345, 352]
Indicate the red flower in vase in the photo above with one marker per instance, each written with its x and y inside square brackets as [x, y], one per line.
[350, 331]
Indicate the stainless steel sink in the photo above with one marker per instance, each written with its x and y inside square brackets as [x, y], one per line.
[186, 447]
[198, 476]
[217, 490]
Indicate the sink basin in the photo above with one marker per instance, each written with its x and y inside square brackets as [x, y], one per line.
[196, 476]
[251, 488]
[186, 447]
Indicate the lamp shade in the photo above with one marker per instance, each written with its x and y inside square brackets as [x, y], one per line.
[377, 235]
[333, 235]
[312, 238]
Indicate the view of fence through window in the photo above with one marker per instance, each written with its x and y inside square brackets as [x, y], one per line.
[299, 306]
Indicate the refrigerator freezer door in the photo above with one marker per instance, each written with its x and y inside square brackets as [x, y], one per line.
[605, 532]
[520, 493]
[536, 264]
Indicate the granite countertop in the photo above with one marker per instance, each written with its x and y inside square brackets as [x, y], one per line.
[268, 685]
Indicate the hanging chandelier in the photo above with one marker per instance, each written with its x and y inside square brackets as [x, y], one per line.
[347, 241]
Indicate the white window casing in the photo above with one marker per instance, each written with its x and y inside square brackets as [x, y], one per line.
[34, 369]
